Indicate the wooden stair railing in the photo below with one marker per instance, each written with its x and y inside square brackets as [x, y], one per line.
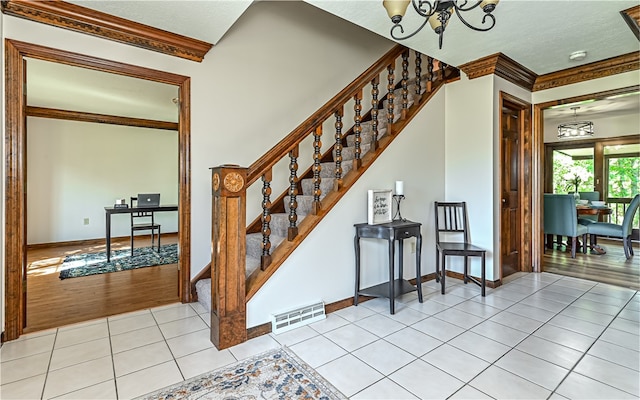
[231, 285]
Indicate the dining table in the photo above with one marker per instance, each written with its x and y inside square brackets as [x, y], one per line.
[589, 209]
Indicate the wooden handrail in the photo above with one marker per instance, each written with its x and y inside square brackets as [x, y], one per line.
[271, 157]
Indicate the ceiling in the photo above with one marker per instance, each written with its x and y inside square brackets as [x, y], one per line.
[538, 34]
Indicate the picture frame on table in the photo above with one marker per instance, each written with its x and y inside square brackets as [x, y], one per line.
[379, 206]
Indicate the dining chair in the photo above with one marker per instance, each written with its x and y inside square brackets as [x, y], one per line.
[588, 219]
[451, 221]
[622, 231]
[561, 219]
[143, 220]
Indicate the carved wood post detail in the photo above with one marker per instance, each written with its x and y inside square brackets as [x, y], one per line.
[292, 232]
[418, 77]
[228, 261]
[317, 144]
[375, 103]
[390, 97]
[357, 130]
[405, 81]
[265, 258]
[429, 73]
[338, 149]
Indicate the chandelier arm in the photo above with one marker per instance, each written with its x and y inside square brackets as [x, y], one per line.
[393, 28]
[490, 16]
[461, 7]
[418, 6]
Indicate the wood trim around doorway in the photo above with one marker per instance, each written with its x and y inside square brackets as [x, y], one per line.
[538, 165]
[16, 167]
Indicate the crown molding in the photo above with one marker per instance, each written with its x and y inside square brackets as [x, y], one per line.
[502, 66]
[632, 17]
[599, 69]
[84, 20]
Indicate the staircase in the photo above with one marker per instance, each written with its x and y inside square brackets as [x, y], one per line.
[245, 259]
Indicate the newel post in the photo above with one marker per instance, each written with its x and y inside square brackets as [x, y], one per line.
[228, 256]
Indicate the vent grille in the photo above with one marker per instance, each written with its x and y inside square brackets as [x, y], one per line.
[300, 316]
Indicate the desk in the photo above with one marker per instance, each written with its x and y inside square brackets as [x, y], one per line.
[109, 211]
[391, 231]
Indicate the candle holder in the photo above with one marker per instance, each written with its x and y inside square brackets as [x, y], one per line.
[397, 199]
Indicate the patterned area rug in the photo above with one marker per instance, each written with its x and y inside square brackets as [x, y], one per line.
[276, 374]
[121, 260]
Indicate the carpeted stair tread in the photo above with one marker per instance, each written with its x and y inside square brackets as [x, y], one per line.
[326, 185]
[349, 153]
[365, 137]
[305, 204]
[203, 289]
[329, 168]
[254, 243]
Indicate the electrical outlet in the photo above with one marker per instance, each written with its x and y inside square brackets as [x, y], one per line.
[86, 221]
[413, 247]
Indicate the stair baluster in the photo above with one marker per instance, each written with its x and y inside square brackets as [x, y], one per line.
[317, 192]
[443, 66]
[265, 259]
[418, 77]
[292, 232]
[357, 130]
[337, 158]
[390, 96]
[374, 112]
[429, 73]
[405, 82]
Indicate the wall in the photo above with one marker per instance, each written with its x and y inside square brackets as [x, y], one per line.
[322, 267]
[469, 155]
[603, 126]
[278, 64]
[75, 169]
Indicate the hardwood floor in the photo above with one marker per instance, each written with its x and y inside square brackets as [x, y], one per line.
[612, 267]
[53, 302]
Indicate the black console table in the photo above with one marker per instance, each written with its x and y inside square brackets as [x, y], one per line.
[391, 231]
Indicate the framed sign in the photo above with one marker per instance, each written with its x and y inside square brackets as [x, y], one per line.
[378, 206]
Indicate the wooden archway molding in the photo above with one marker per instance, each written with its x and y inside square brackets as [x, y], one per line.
[539, 163]
[16, 167]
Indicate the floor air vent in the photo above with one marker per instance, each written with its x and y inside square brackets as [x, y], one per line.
[300, 316]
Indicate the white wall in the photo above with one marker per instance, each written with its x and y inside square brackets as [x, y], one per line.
[323, 267]
[75, 169]
[469, 165]
[604, 126]
[276, 66]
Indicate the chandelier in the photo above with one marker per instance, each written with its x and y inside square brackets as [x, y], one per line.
[575, 129]
[438, 14]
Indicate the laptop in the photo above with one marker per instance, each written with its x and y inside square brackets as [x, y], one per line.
[148, 199]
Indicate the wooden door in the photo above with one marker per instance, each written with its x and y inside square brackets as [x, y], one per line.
[510, 212]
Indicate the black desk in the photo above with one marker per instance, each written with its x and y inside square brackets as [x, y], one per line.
[128, 210]
[391, 231]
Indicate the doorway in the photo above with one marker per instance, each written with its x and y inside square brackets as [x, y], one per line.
[16, 167]
[515, 185]
[587, 152]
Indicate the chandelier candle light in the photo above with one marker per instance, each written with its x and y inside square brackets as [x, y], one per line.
[438, 14]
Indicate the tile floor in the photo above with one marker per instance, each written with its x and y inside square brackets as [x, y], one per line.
[539, 336]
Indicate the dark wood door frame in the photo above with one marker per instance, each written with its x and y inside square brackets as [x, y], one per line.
[539, 164]
[525, 174]
[16, 166]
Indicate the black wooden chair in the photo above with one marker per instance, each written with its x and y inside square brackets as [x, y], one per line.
[451, 221]
[143, 220]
